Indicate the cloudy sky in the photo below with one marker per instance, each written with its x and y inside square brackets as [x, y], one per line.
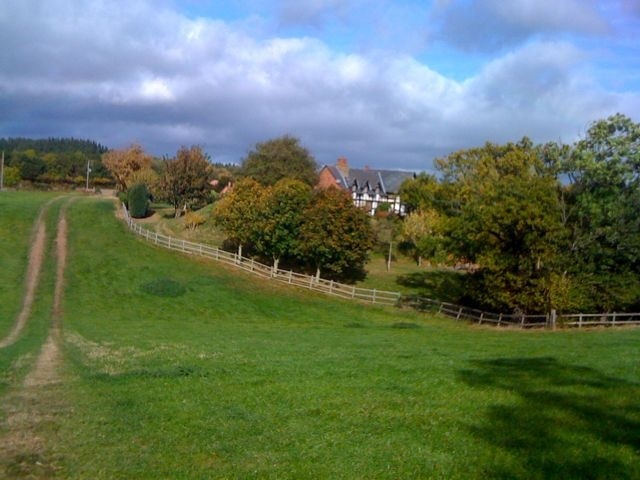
[386, 83]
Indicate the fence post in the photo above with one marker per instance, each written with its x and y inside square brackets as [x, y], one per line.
[613, 320]
[459, 313]
[580, 320]
[331, 286]
[499, 319]
[481, 317]
[353, 291]
[552, 318]
[290, 275]
[373, 297]
[156, 238]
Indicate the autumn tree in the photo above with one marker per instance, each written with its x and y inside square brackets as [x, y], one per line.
[422, 235]
[185, 181]
[279, 158]
[508, 221]
[335, 236]
[238, 212]
[280, 218]
[125, 162]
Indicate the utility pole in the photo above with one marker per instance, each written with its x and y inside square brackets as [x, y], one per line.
[88, 172]
[2, 172]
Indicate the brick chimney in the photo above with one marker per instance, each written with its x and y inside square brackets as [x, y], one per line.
[343, 166]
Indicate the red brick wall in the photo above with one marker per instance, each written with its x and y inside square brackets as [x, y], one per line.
[326, 179]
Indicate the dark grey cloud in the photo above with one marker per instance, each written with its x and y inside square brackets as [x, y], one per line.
[488, 25]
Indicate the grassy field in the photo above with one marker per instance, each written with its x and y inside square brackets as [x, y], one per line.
[179, 368]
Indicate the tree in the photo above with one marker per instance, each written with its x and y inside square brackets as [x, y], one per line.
[29, 162]
[507, 219]
[279, 158]
[238, 212]
[11, 176]
[422, 235]
[335, 236]
[603, 200]
[185, 181]
[280, 218]
[138, 200]
[123, 163]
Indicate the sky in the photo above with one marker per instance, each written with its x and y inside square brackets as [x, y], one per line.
[386, 84]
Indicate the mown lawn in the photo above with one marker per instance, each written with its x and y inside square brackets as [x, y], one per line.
[179, 368]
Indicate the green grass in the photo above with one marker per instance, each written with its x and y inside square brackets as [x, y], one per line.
[408, 278]
[179, 368]
[237, 378]
[18, 214]
[163, 221]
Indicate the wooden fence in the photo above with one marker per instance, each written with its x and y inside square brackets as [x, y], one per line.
[329, 287]
[382, 297]
[550, 320]
[474, 315]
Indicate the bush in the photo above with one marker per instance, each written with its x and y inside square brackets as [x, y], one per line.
[138, 197]
[193, 220]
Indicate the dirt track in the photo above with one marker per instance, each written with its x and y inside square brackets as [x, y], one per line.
[34, 407]
[36, 256]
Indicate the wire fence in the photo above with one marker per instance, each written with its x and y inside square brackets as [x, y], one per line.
[383, 297]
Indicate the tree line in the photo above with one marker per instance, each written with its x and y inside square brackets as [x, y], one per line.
[272, 212]
[542, 227]
[49, 161]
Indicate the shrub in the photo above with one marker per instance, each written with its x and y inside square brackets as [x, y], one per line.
[192, 220]
[138, 197]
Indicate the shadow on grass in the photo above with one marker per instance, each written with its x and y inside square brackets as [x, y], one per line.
[443, 285]
[567, 421]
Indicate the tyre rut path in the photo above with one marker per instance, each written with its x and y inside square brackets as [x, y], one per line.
[32, 278]
[33, 409]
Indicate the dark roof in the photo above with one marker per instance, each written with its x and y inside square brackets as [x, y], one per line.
[388, 181]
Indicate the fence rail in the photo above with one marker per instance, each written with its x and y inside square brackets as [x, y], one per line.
[550, 320]
[383, 297]
[329, 287]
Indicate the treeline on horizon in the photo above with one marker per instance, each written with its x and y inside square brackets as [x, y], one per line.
[53, 161]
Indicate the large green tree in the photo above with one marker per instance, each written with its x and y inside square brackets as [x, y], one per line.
[603, 201]
[508, 222]
[279, 158]
[335, 236]
[185, 180]
[238, 213]
[281, 216]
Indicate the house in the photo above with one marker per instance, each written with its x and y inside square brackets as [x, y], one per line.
[369, 187]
